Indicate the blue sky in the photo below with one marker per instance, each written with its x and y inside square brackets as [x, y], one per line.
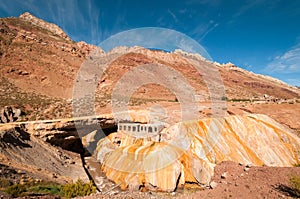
[262, 36]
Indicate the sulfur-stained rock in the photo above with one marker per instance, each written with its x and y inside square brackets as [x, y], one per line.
[157, 165]
[104, 146]
[189, 151]
[253, 139]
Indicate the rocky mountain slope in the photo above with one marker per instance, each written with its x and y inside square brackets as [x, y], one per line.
[38, 57]
[239, 83]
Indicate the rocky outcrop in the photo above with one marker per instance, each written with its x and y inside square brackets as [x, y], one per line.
[188, 151]
[43, 24]
[254, 138]
[86, 48]
[9, 114]
[39, 159]
[67, 133]
[49, 150]
[231, 67]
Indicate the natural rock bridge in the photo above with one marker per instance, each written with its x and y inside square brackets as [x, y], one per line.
[187, 152]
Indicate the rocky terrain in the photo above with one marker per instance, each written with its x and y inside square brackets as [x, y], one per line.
[32, 56]
[231, 180]
[48, 151]
[39, 67]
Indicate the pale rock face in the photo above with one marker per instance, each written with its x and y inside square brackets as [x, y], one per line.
[125, 49]
[87, 48]
[189, 151]
[9, 114]
[202, 170]
[104, 146]
[43, 24]
[192, 55]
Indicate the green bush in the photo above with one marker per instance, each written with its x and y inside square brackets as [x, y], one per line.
[16, 190]
[45, 188]
[79, 188]
[295, 185]
[49, 189]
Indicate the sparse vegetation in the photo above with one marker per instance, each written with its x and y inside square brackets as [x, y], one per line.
[48, 189]
[239, 100]
[37, 103]
[79, 188]
[140, 101]
[4, 183]
[295, 185]
[43, 188]
[16, 190]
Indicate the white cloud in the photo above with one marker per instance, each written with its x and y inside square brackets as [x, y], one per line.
[293, 82]
[213, 26]
[288, 62]
[202, 30]
[71, 15]
[183, 11]
[247, 6]
[173, 15]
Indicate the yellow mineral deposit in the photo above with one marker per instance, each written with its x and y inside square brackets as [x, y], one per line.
[188, 151]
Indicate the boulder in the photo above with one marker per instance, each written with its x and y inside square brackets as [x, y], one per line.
[9, 114]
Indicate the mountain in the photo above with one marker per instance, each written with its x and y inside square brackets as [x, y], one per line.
[39, 57]
[39, 65]
[239, 83]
